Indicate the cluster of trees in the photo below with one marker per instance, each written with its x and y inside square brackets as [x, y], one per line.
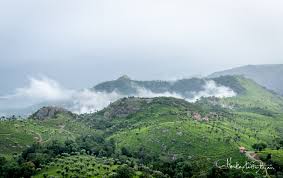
[277, 170]
[34, 158]
[13, 169]
[263, 111]
[259, 146]
[177, 168]
[277, 144]
[163, 168]
[37, 155]
[280, 144]
[10, 118]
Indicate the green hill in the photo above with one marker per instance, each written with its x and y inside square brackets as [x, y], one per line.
[249, 94]
[168, 129]
[148, 137]
[252, 98]
[126, 86]
[17, 135]
[186, 88]
[265, 75]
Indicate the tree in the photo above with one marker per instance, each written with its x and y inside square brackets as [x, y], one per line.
[71, 146]
[28, 169]
[45, 175]
[56, 147]
[11, 169]
[125, 152]
[259, 146]
[124, 171]
[268, 157]
[3, 161]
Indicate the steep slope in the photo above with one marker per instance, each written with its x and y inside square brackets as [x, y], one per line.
[268, 76]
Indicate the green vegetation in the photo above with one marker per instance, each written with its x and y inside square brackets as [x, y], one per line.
[273, 158]
[276, 155]
[16, 135]
[255, 99]
[231, 82]
[79, 165]
[267, 75]
[150, 137]
[259, 146]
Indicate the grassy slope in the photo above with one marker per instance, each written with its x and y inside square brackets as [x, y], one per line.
[18, 134]
[255, 97]
[169, 132]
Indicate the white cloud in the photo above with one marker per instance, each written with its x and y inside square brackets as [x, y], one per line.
[142, 92]
[86, 101]
[212, 89]
[46, 90]
[43, 89]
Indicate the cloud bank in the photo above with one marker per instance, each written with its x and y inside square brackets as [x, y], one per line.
[212, 89]
[49, 91]
[43, 89]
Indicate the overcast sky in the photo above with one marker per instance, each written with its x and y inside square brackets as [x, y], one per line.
[80, 43]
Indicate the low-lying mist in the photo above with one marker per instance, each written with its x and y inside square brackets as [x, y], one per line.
[47, 91]
[212, 89]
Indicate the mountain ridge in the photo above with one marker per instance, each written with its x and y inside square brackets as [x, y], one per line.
[267, 75]
[184, 87]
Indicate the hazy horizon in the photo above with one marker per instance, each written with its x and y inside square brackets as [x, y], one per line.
[82, 44]
[202, 95]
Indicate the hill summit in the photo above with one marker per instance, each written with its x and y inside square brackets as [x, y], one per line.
[49, 112]
[124, 77]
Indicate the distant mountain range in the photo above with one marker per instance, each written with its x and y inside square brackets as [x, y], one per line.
[269, 76]
[186, 88]
[234, 91]
[220, 84]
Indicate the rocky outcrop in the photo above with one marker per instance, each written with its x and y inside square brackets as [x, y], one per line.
[125, 107]
[49, 112]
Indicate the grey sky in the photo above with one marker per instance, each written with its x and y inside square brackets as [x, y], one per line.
[80, 43]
